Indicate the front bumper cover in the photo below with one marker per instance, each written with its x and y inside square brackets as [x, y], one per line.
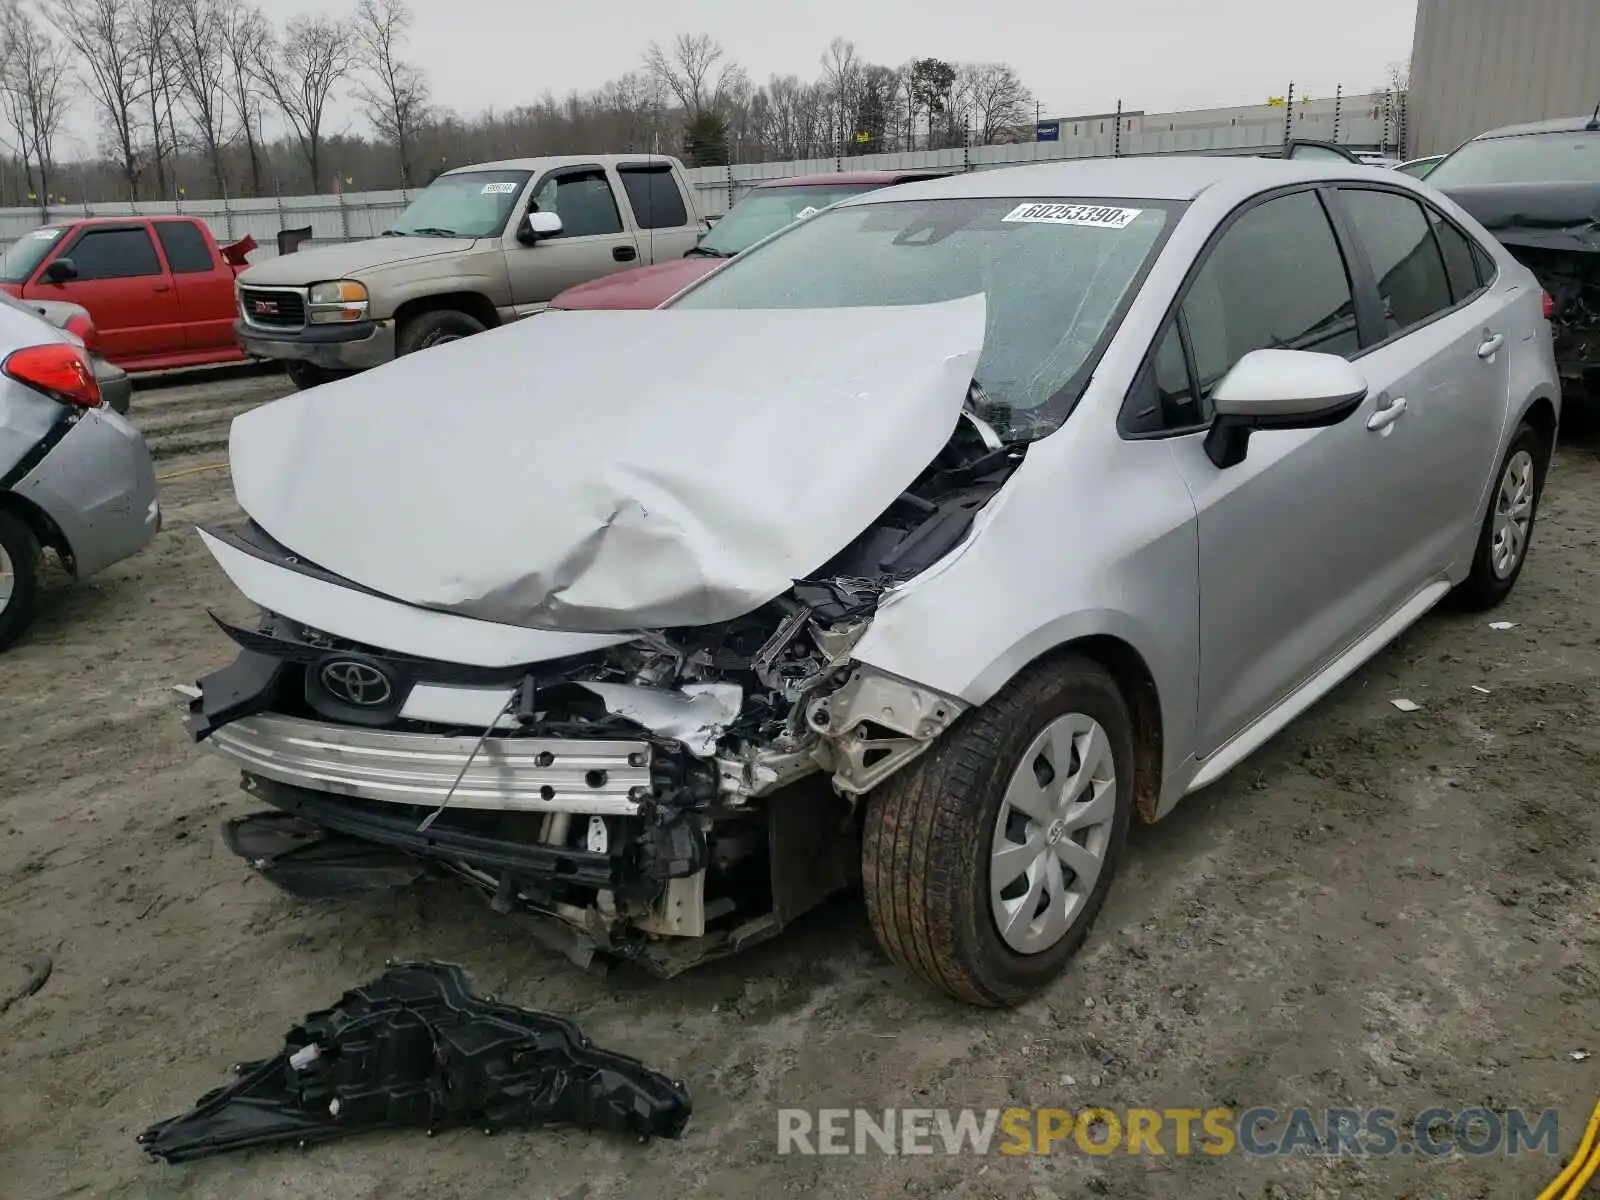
[334, 347]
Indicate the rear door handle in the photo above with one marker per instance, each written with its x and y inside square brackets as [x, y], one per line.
[163, 287]
[624, 253]
[1491, 343]
[1387, 414]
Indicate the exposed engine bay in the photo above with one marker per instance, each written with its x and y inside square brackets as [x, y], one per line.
[672, 786]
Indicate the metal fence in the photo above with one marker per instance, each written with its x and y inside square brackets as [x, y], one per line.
[351, 216]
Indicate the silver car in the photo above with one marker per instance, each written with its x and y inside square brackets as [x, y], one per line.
[929, 543]
[75, 477]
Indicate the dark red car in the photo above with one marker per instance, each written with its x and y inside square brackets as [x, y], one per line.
[765, 209]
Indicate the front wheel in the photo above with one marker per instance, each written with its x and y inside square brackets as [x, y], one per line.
[1508, 525]
[985, 862]
[19, 578]
[430, 329]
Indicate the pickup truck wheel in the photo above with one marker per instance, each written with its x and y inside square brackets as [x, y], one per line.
[19, 578]
[308, 375]
[435, 329]
[985, 861]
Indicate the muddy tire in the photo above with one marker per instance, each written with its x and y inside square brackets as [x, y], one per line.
[306, 375]
[1508, 524]
[965, 813]
[19, 578]
[429, 329]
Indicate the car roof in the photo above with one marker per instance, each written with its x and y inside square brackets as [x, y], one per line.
[122, 220]
[566, 160]
[1170, 177]
[1556, 125]
[850, 179]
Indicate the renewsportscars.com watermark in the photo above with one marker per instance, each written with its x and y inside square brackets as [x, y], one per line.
[1257, 1132]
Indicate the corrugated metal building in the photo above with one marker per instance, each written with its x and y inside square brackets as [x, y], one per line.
[1478, 64]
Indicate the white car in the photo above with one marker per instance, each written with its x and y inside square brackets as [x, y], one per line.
[931, 541]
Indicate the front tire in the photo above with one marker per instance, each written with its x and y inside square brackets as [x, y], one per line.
[1508, 525]
[430, 329]
[19, 578]
[985, 862]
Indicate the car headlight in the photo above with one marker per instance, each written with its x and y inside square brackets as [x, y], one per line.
[337, 302]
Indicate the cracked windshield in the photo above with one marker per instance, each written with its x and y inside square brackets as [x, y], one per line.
[1055, 275]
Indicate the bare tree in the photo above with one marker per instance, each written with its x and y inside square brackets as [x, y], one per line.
[841, 78]
[300, 75]
[694, 72]
[243, 32]
[995, 97]
[396, 97]
[155, 23]
[104, 35]
[200, 63]
[34, 68]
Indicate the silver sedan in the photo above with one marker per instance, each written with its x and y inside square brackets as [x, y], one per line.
[75, 477]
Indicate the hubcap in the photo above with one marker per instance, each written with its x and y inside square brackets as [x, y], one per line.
[1513, 515]
[8, 579]
[1052, 832]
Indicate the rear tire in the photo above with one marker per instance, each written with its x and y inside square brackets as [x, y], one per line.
[429, 329]
[19, 578]
[937, 833]
[1507, 529]
[306, 375]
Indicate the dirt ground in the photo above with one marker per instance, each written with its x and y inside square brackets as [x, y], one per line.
[1379, 909]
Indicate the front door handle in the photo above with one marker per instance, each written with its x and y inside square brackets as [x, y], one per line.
[624, 253]
[1491, 342]
[1387, 414]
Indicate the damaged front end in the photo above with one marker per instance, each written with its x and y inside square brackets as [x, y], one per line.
[671, 797]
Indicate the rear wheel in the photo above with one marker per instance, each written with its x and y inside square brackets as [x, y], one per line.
[1508, 525]
[985, 862]
[19, 578]
[429, 329]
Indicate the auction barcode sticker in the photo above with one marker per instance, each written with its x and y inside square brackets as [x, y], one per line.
[1073, 214]
[498, 189]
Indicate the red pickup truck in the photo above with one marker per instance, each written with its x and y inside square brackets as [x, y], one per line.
[160, 289]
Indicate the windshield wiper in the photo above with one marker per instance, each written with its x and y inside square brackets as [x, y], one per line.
[423, 231]
[706, 252]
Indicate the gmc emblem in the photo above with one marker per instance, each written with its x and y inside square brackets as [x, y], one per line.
[264, 308]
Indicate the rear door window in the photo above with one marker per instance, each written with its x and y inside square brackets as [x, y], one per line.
[1458, 262]
[185, 247]
[1412, 283]
[654, 197]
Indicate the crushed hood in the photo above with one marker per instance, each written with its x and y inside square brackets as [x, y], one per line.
[347, 259]
[611, 471]
[1553, 216]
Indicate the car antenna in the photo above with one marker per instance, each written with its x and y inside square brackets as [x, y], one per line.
[1594, 121]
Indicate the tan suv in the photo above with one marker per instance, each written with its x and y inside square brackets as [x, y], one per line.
[482, 245]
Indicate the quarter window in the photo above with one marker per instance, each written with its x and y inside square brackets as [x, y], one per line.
[584, 202]
[1276, 280]
[114, 254]
[1458, 261]
[1412, 283]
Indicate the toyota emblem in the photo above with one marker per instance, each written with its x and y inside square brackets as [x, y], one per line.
[356, 683]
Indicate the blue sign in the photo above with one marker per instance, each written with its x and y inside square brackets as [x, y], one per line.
[1047, 131]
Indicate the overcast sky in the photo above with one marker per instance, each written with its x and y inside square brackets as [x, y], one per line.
[1076, 55]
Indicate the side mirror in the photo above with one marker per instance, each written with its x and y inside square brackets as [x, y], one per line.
[60, 271]
[1280, 389]
[538, 225]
